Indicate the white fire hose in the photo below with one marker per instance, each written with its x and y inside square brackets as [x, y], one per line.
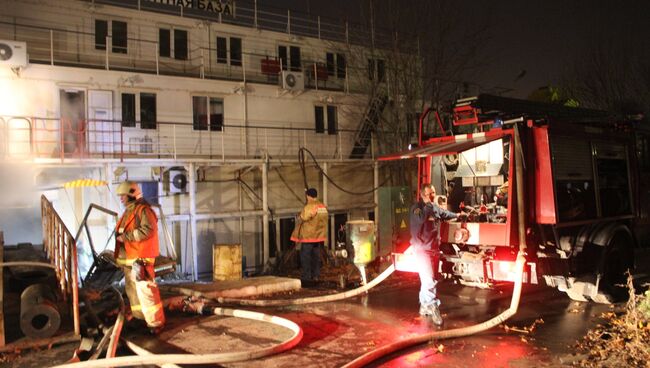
[216, 358]
[285, 302]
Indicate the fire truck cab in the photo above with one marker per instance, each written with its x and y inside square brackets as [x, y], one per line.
[586, 194]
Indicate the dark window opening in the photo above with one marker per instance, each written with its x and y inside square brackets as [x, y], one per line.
[148, 110]
[119, 37]
[282, 54]
[164, 37]
[273, 245]
[320, 119]
[294, 58]
[329, 57]
[207, 115]
[216, 114]
[200, 113]
[128, 109]
[235, 51]
[101, 32]
[381, 70]
[180, 44]
[331, 119]
[371, 69]
[341, 65]
[222, 50]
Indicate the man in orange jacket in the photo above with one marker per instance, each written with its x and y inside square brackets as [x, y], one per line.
[136, 250]
[311, 233]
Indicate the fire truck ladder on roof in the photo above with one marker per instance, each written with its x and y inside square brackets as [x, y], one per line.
[368, 124]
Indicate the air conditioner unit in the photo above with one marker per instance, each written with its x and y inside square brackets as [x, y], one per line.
[177, 181]
[293, 81]
[13, 54]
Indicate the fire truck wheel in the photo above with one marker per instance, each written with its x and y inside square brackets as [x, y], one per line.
[616, 261]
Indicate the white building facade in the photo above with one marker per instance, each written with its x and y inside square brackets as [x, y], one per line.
[205, 103]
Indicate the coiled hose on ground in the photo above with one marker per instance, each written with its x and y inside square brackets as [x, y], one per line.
[217, 358]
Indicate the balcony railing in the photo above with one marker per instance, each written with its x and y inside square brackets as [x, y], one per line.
[61, 139]
[63, 47]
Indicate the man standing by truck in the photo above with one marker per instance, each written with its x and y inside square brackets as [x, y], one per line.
[425, 217]
[136, 250]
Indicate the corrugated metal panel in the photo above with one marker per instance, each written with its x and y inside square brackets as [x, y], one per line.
[571, 158]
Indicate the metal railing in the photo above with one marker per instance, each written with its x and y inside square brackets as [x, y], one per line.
[49, 138]
[64, 47]
[61, 250]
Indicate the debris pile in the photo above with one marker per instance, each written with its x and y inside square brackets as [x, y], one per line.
[622, 341]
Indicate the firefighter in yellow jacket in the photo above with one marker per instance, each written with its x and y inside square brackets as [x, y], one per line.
[311, 233]
[135, 251]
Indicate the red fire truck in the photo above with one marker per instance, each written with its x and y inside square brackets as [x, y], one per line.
[586, 193]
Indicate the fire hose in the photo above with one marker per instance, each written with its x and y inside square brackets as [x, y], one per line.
[216, 358]
[286, 302]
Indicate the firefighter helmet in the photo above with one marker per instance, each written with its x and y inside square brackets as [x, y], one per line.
[130, 188]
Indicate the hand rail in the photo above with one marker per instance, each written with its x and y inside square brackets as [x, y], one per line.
[61, 250]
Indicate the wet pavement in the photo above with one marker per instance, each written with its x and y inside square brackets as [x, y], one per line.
[337, 332]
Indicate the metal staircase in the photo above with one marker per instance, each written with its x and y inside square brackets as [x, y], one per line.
[368, 125]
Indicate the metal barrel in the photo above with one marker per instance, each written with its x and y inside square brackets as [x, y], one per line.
[39, 315]
[360, 234]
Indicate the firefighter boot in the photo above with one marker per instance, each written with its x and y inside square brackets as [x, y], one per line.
[433, 312]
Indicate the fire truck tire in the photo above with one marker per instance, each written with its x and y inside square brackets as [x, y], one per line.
[616, 261]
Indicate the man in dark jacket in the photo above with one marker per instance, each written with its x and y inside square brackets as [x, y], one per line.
[425, 217]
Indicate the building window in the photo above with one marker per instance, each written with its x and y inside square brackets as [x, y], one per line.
[341, 66]
[120, 38]
[222, 50]
[320, 119]
[294, 58]
[207, 113]
[282, 55]
[164, 41]
[128, 109]
[101, 32]
[332, 119]
[376, 70]
[327, 114]
[235, 51]
[148, 110]
[336, 65]
[179, 45]
[329, 62]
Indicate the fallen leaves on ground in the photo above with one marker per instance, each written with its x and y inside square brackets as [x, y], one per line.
[622, 340]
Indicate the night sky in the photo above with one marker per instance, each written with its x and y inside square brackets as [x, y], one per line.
[533, 43]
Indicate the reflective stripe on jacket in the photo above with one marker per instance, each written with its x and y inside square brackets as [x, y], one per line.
[312, 226]
[139, 228]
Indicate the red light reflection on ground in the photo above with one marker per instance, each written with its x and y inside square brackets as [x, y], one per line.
[501, 354]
